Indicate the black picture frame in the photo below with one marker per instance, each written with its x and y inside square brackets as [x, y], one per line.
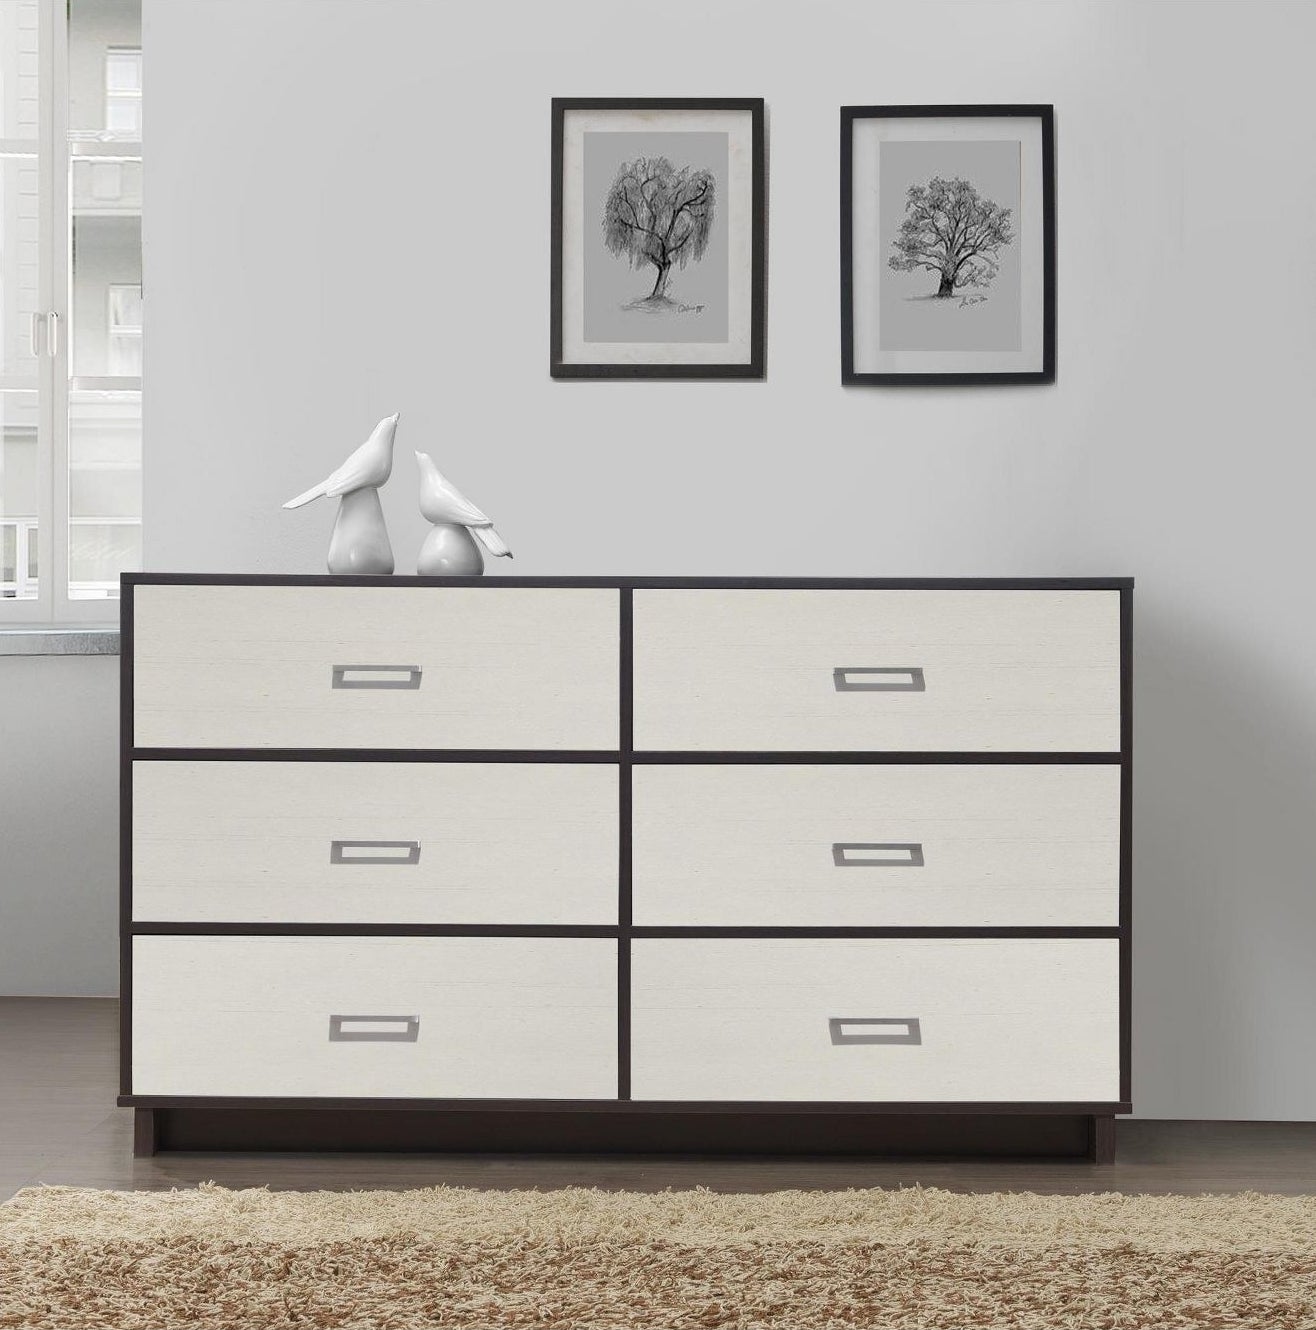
[1046, 373]
[755, 366]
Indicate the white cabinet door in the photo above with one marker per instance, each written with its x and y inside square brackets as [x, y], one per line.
[375, 667]
[375, 842]
[876, 1020]
[389, 1018]
[893, 671]
[876, 846]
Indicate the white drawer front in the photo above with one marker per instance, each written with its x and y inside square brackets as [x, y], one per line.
[375, 842]
[956, 671]
[495, 1018]
[280, 667]
[997, 1020]
[876, 846]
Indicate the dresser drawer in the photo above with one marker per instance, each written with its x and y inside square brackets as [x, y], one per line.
[876, 1020]
[876, 846]
[894, 671]
[384, 1018]
[375, 842]
[374, 667]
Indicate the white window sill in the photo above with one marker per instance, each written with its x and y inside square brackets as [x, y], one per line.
[97, 639]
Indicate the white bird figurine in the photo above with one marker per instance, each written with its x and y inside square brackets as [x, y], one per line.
[367, 468]
[449, 549]
[359, 543]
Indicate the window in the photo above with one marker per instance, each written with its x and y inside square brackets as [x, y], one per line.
[18, 557]
[124, 350]
[123, 91]
[71, 309]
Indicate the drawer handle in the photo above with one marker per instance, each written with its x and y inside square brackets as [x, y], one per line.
[877, 854]
[875, 1030]
[347, 852]
[878, 680]
[376, 676]
[374, 1029]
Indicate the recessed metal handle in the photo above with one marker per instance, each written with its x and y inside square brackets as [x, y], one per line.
[374, 1029]
[52, 334]
[875, 1030]
[376, 676]
[865, 679]
[877, 854]
[391, 852]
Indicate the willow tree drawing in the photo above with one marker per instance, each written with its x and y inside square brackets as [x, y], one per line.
[950, 229]
[659, 216]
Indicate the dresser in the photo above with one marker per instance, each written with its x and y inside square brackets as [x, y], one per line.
[626, 864]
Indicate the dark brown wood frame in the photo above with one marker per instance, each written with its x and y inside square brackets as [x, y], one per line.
[755, 367]
[1083, 1130]
[1046, 115]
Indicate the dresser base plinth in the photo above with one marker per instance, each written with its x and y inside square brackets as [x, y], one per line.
[548, 1131]
[146, 1131]
[1101, 1139]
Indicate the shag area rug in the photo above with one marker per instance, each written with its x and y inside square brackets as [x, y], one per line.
[576, 1259]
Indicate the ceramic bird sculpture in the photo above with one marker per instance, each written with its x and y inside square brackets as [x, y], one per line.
[451, 548]
[359, 543]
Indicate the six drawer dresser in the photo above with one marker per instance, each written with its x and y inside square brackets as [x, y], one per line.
[644, 864]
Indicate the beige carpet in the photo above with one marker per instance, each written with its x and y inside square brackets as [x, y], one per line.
[575, 1259]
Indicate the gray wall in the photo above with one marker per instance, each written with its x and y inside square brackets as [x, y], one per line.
[59, 825]
[359, 225]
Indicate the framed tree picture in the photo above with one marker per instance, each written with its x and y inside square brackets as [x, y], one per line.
[658, 238]
[947, 244]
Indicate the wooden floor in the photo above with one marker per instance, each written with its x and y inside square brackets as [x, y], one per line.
[58, 1124]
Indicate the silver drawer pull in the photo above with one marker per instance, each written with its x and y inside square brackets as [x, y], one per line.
[875, 1030]
[393, 852]
[376, 676]
[374, 1029]
[861, 679]
[877, 854]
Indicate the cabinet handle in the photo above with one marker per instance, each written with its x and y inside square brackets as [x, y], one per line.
[374, 1029]
[875, 1030]
[376, 676]
[883, 680]
[346, 852]
[877, 854]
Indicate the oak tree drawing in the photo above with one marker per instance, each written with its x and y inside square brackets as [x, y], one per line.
[661, 216]
[950, 229]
